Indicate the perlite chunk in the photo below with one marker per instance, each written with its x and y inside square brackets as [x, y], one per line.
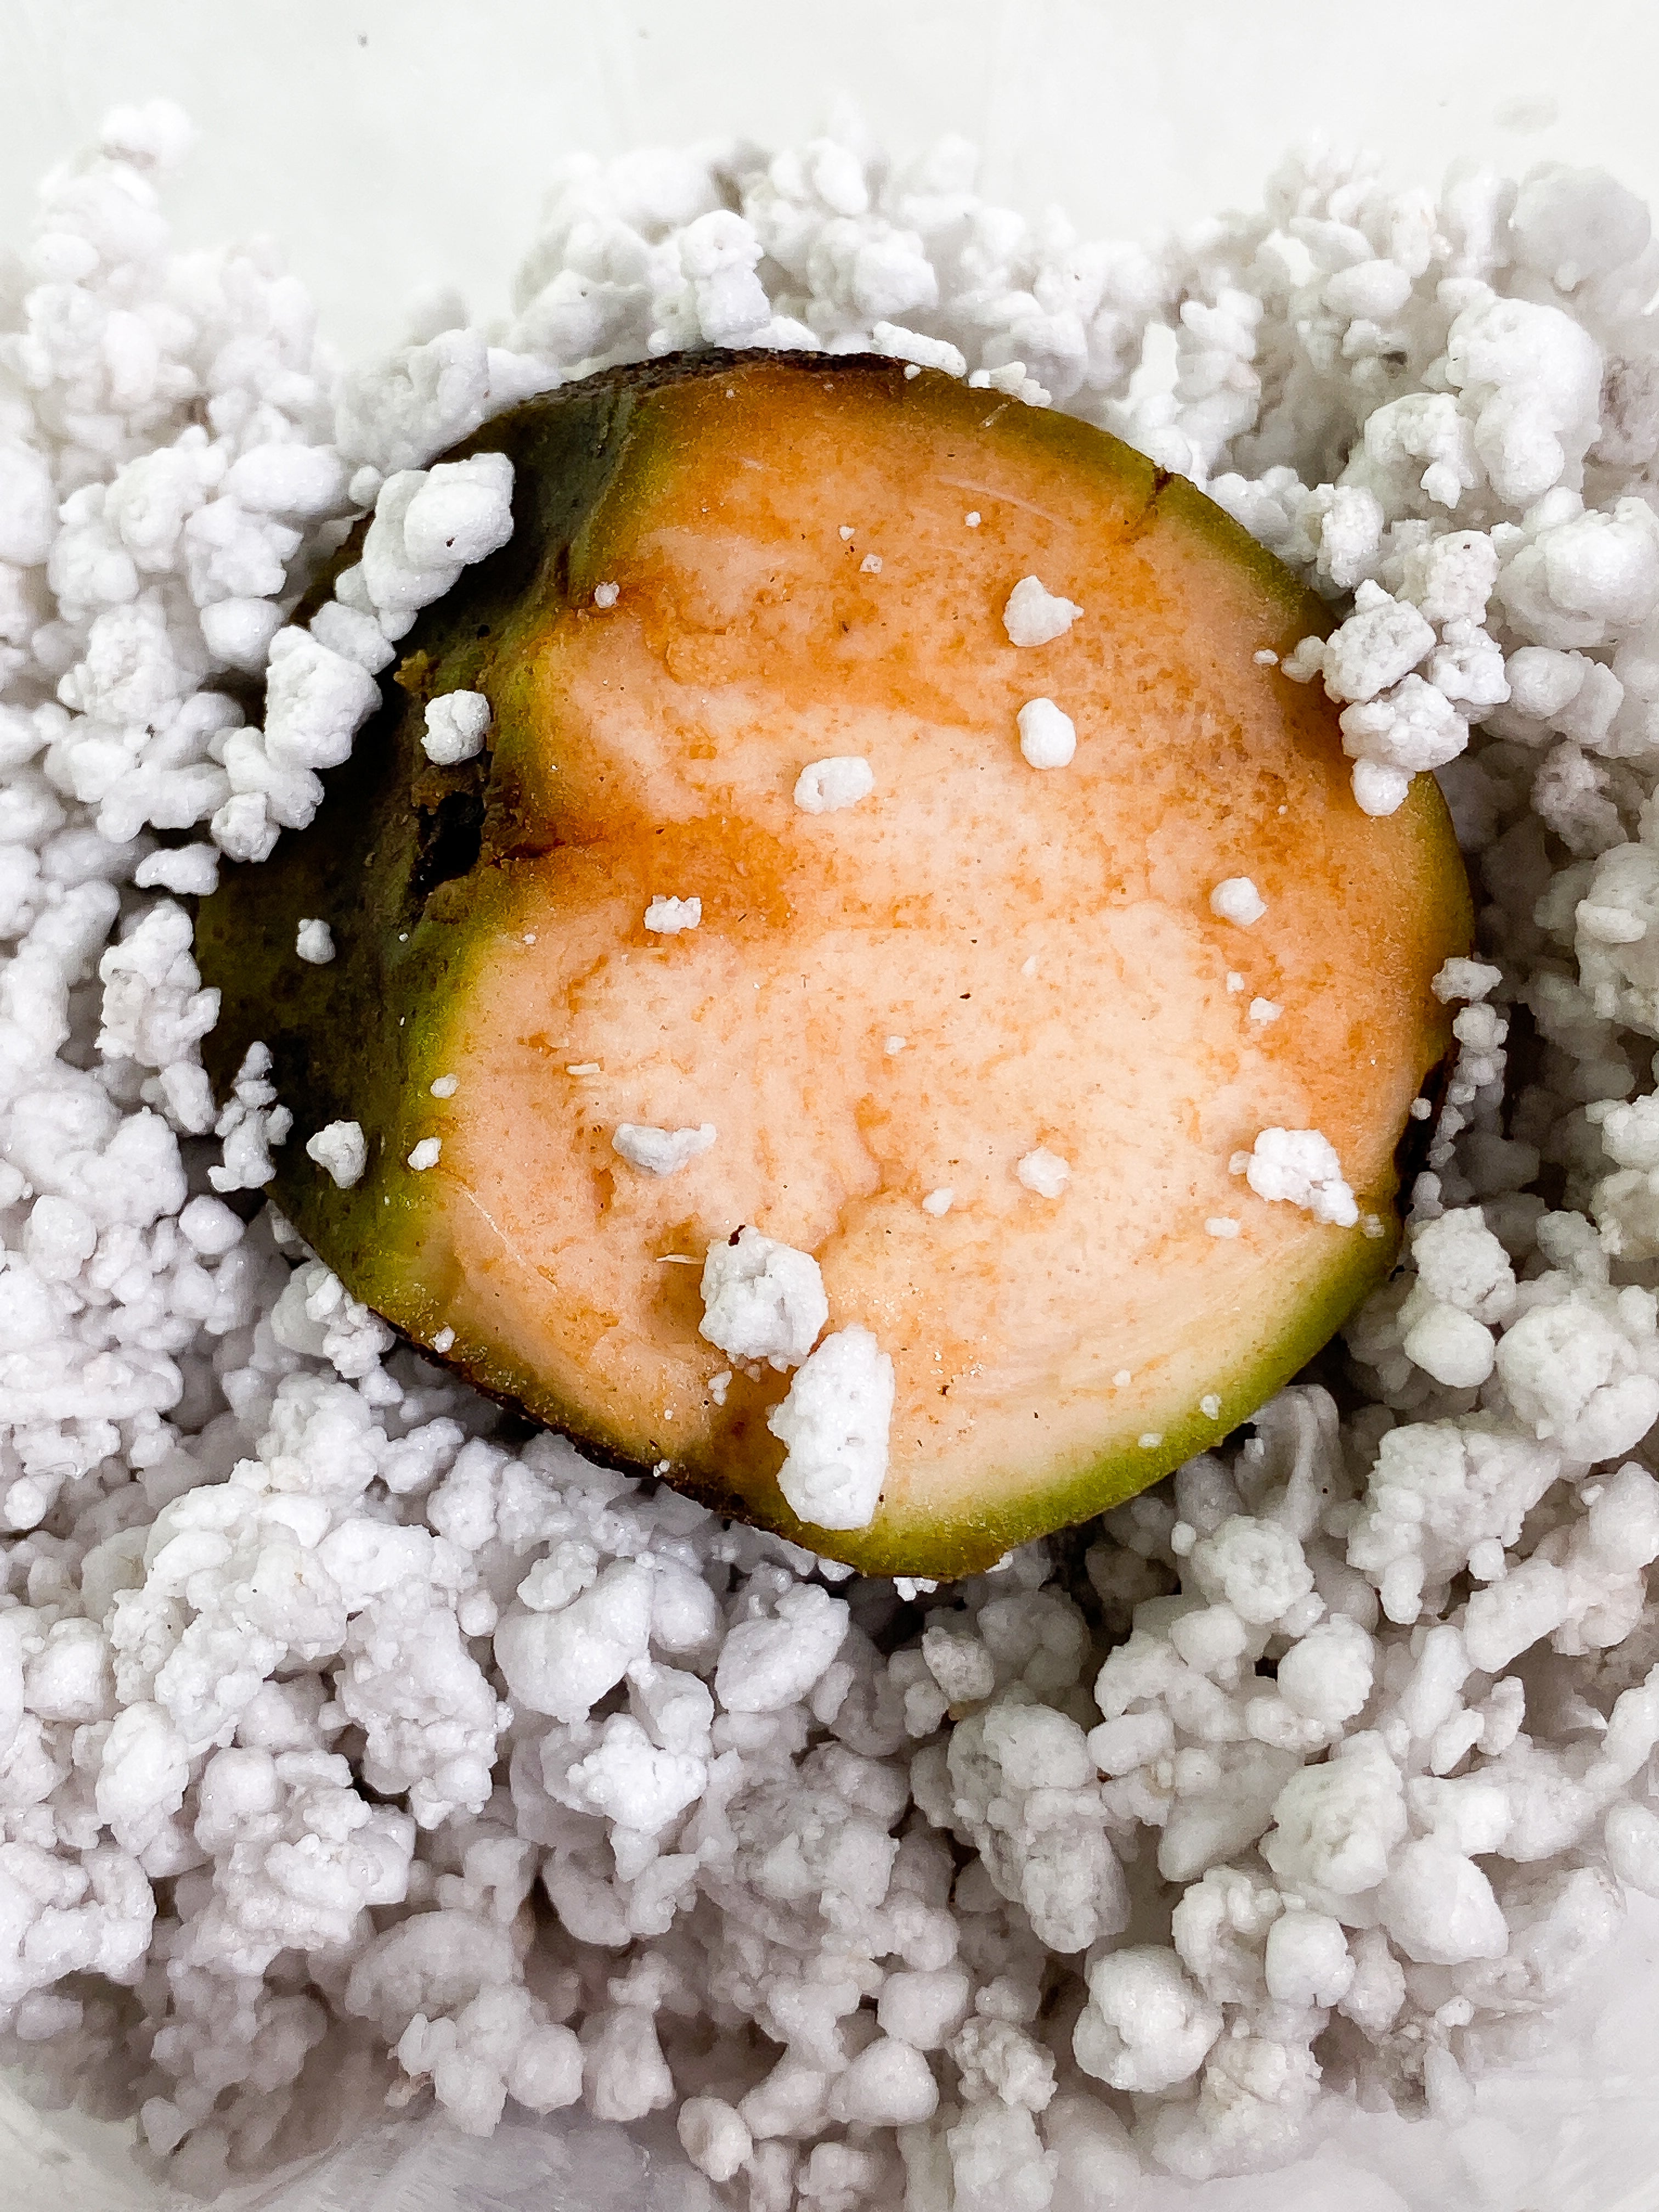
[834, 1423]
[1043, 1172]
[668, 916]
[1144, 2028]
[761, 1299]
[1237, 900]
[661, 1151]
[428, 525]
[342, 1148]
[561, 1663]
[1335, 1826]
[1036, 616]
[829, 787]
[1020, 1786]
[1299, 1167]
[456, 727]
[1572, 1375]
[1048, 736]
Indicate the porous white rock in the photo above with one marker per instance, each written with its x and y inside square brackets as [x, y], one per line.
[666, 917]
[1035, 615]
[456, 724]
[342, 1149]
[761, 1299]
[1144, 2028]
[661, 1151]
[1048, 736]
[1043, 1172]
[1299, 1167]
[1237, 900]
[833, 1425]
[829, 787]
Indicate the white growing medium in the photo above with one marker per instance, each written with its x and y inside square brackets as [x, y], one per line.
[428, 525]
[314, 942]
[457, 725]
[1043, 1172]
[354, 636]
[661, 1151]
[739, 1786]
[342, 1148]
[1298, 1166]
[828, 787]
[1048, 736]
[902, 344]
[1237, 900]
[667, 916]
[425, 1154]
[761, 1299]
[1035, 615]
[833, 1424]
[1470, 979]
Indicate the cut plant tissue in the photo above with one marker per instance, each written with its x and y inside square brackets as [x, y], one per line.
[356, 1749]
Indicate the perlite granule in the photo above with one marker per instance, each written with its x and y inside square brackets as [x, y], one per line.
[334, 1720]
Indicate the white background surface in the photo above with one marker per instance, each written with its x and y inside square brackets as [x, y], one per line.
[392, 143]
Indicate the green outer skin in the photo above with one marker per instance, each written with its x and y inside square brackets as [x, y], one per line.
[584, 457]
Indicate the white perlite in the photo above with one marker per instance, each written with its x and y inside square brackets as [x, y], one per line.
[342, 1148]
[1298, 1166]
[320, 686]
[428, 525]
[1044, 1172]
[1036, 616]
[425, 1154]
[667, 916]
[314, 942]
[457, 725]
[311, 1673]
[1237, 900]
[661, 1151]
[1047, 737]
[761, 1300]
[606, 595]
[834, 1423]
[902, 344]
[825, 787]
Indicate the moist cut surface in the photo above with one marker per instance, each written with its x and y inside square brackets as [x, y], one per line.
[904, 998]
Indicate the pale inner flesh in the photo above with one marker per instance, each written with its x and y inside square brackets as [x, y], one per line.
[978, 960]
